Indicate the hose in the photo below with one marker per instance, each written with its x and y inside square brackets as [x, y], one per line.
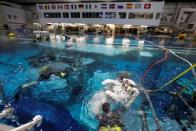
[193, 71]
[175, 78]
[154, 64]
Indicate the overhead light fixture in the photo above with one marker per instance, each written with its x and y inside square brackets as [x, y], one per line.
[143, 26]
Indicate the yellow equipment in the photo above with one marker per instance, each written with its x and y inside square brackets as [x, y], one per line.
[181, 37]
[108, 128]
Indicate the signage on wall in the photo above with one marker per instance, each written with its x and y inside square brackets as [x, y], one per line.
[147, 6]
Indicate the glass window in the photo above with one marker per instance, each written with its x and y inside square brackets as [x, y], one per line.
[9, 16]
[46, 15]
[75, 14]
[110, 15]
[131, 16]
[65, 15]
[148, 15]
[122, 15]
[158, 15]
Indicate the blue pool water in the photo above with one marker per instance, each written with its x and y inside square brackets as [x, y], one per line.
[91, 59]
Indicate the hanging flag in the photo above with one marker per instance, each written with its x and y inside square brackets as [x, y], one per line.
[129, 6]
[111, 6]
[60, 6]
[81, 6]
[147, 6]
[138, 6]
[41, 7]
[47, 7]
[53, 7]
[66, 6]
[120, 6]
[103, 6]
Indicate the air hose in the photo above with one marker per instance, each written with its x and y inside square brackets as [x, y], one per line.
[175, 78]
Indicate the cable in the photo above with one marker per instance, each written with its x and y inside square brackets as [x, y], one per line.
[175, 78]
[193, 71]
[154, 64]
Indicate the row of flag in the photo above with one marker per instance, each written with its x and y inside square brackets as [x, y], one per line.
[103, 6]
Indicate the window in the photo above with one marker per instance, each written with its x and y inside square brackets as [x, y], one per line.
[190, 26]
[131, 16]
[75, 14]
[65, 15]
[15, 17]
[122, 15]
[110, 15]
[92, 14]
[139, 15]
[9, 16]
[148, 15]
[52, 15]
[158, 15]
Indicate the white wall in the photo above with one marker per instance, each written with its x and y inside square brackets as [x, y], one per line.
[155, 7]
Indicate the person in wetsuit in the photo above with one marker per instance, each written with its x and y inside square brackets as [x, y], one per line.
[110, 119]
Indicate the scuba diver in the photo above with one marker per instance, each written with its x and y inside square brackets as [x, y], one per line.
[121, 91]
[48, 71]
[110, 121]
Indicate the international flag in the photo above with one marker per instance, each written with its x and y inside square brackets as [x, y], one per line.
[47, 7]
[41, 7]
[53, 7]
[111, 6]
[120, 6]
[66, 6]
[138, 6]
[81, 6]
[129, 6]
[147, 6]
[60, 6]
[103, 6]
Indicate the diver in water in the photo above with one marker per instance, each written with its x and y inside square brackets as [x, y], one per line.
[110, 120]
[47, 72]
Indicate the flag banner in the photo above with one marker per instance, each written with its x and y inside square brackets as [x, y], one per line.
[47, 7]
[103, 6]
[138, 6]
[81, 6]
[111, 6]
[53, 7]
[120, 6]
[41, 7]
[60, 6]
[129, 6]
[66, 6]
[147, 6]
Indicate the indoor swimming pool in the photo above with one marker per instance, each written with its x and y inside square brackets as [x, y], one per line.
[88, 60]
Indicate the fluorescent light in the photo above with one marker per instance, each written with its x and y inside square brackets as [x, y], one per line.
[143, 26]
